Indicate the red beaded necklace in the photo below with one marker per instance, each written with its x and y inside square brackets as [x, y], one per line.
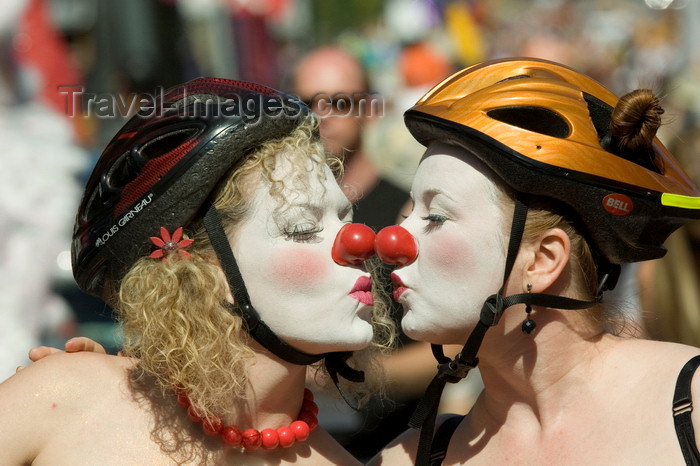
[252, 439]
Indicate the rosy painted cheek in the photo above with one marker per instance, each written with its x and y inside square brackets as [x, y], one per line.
[300, 267]
[447, 253]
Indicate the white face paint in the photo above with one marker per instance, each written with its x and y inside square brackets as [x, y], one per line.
[285, 259]
[461, 243]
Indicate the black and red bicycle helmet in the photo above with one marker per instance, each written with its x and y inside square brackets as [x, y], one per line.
[544, 129]
[160, 170]
[161, 167]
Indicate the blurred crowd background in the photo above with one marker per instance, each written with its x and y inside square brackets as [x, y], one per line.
[132, 47]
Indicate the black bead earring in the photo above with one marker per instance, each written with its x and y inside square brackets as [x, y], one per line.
[528, 325]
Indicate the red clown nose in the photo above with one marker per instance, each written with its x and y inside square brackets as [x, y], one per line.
[353, 245]
[396, 246]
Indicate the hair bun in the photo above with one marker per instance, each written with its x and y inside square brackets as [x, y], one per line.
[636, 119]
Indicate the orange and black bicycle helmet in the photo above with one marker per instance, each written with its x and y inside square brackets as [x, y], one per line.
[545, 130]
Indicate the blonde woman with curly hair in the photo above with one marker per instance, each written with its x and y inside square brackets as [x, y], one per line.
[214, 226]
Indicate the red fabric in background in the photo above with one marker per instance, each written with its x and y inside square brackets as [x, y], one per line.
[44, 55]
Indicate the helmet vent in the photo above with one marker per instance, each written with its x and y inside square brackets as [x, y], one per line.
[600, 113]
[536, 119]
[127, 167]
[166, 143]
[124, 169]
[517, 76]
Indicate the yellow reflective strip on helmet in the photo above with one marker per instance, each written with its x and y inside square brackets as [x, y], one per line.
[676, 200]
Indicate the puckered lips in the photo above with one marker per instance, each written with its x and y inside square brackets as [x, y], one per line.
[399, 287]
[362, 291]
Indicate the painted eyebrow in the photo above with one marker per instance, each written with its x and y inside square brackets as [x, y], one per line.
[318, 210]
[315, 209]
[429, 194]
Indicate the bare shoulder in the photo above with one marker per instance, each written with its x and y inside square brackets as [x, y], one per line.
[661, 356]
[654, 365]
[47, 395]
[686, 379]
[62, 378]
[76, 370]
[683, 365]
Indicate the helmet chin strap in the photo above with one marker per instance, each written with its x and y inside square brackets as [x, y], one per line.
[256, 328]
[453, 370]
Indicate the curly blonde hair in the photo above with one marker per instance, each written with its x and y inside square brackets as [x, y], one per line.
[173, 313]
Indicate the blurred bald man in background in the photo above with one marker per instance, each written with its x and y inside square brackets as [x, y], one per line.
[335, 84]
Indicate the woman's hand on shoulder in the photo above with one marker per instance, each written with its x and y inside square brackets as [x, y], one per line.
[74, 345]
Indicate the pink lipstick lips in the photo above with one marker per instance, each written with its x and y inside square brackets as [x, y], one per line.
[399, 287]
[362, 291]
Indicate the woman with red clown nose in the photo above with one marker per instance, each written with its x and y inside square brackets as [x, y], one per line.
[210, 230]
[536, 185]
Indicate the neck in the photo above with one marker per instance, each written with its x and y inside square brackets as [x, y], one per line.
[273, 395]
[536, 375]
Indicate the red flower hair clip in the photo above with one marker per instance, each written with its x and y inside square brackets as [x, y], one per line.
[168, 245]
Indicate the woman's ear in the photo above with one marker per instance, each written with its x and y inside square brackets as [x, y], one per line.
[548, 256]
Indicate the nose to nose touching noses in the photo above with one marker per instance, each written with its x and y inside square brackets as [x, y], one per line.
[395, 245]
[355, 243]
